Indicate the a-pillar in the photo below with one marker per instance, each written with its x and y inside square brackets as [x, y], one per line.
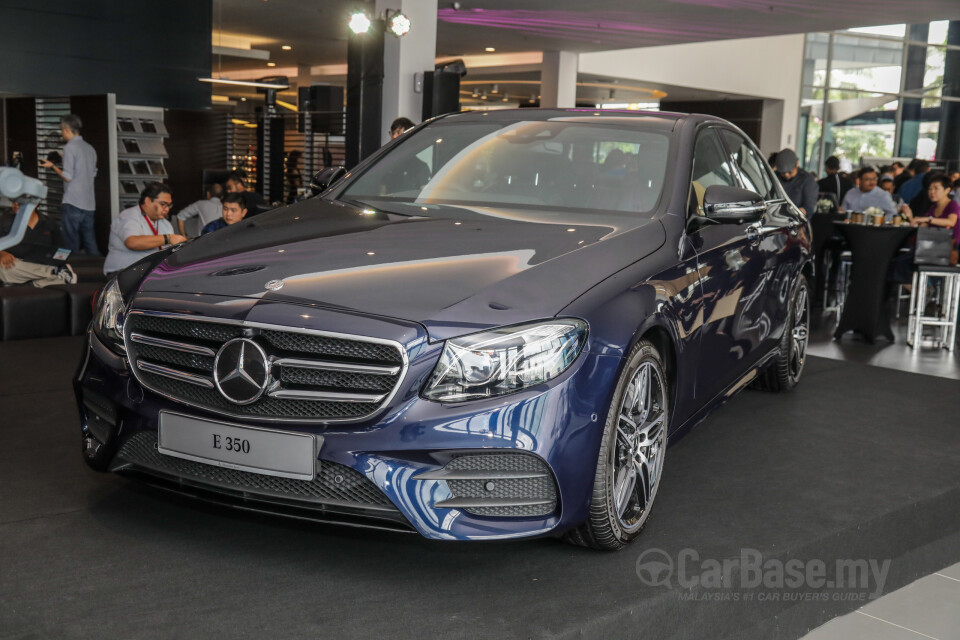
[558, 79]
[405, 57]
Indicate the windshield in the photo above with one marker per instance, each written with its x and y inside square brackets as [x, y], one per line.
[565, 165]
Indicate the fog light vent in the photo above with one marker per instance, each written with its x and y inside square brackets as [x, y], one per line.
[504, 485]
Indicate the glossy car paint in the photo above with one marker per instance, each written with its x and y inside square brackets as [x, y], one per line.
[713, 299]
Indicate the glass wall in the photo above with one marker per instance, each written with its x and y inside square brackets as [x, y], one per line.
[873, 92]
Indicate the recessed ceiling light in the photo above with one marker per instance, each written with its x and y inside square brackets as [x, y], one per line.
[271, 64]
[243, 99]
[489, 49]
[286, 47]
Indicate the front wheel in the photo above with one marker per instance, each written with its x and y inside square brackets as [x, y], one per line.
[630, 462]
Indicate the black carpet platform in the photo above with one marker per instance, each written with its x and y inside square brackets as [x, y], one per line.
[858, 463]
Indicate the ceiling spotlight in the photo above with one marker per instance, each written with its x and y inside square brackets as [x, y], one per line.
[496, 89]
[286, 47]
[475, 94]
[243, 99]
[489, 49]
[271, 64]
[399, 25]
[359, 23]
[483, 96]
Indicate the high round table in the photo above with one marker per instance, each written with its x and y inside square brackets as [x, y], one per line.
[872, 249]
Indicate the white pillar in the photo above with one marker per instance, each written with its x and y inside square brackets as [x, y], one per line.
[558, 79]
[406, 56]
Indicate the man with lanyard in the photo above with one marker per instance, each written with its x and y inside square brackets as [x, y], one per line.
[141, 229]
[833, 182]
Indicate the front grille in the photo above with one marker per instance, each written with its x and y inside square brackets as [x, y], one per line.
[312, 377]
[504, 485]
[334, 483]
[326, 346]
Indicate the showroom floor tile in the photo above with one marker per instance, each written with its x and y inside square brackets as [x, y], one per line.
[927, 608]
[898, 355]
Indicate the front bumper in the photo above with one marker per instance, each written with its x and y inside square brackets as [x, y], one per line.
[386, 472]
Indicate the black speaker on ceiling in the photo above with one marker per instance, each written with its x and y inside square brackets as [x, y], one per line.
[441, 93]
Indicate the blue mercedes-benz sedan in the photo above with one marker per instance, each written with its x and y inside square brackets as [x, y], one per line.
[489, 329]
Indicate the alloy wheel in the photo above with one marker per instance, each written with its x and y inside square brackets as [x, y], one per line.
[640, 446]
[800, 333]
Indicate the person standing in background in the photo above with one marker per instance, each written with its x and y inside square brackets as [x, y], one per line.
[207, 210]
[912, 187]
[237, 183]
[800, 186]
[834, 183]
[78, 207]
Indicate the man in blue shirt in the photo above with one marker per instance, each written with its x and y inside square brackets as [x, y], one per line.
[868, 194]
[234, 210]
[913, 186]
[79, 169]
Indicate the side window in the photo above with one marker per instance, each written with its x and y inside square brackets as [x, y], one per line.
[710, 167]
[752, 168]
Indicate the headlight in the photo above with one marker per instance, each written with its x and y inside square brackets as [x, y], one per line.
[108, 317]
[505, 360]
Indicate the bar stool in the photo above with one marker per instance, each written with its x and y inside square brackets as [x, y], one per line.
[946, 320]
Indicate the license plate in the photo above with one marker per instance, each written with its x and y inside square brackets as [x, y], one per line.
[266, 451]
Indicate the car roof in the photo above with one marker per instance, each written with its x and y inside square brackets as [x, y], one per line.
[663, 120]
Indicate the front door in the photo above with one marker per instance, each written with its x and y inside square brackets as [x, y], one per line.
[731, 267]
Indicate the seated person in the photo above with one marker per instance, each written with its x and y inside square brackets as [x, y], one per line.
[234, 211]
[207, 210]
[29, 261]
[867, 194]
[252, 201]
[943, 211]
[141, 229]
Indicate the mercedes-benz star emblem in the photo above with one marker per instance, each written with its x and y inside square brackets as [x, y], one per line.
[240, 371]
[274, 285]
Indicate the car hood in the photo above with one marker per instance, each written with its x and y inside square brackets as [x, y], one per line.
[452, 269]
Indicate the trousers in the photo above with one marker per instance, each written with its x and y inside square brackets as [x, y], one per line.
[39, 275]
[77, 227]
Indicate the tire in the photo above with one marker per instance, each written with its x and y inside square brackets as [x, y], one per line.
[633, 446]
[784, 372]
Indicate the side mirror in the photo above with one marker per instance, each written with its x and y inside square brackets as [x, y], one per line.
[732, 205]
[323, 179]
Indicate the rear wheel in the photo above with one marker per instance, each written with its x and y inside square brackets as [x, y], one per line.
[630, 462]
[784, 372]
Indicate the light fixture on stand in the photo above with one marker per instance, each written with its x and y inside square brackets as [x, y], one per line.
[359, 22]
[397, 23]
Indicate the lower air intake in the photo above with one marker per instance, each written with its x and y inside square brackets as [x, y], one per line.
[334, 483]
